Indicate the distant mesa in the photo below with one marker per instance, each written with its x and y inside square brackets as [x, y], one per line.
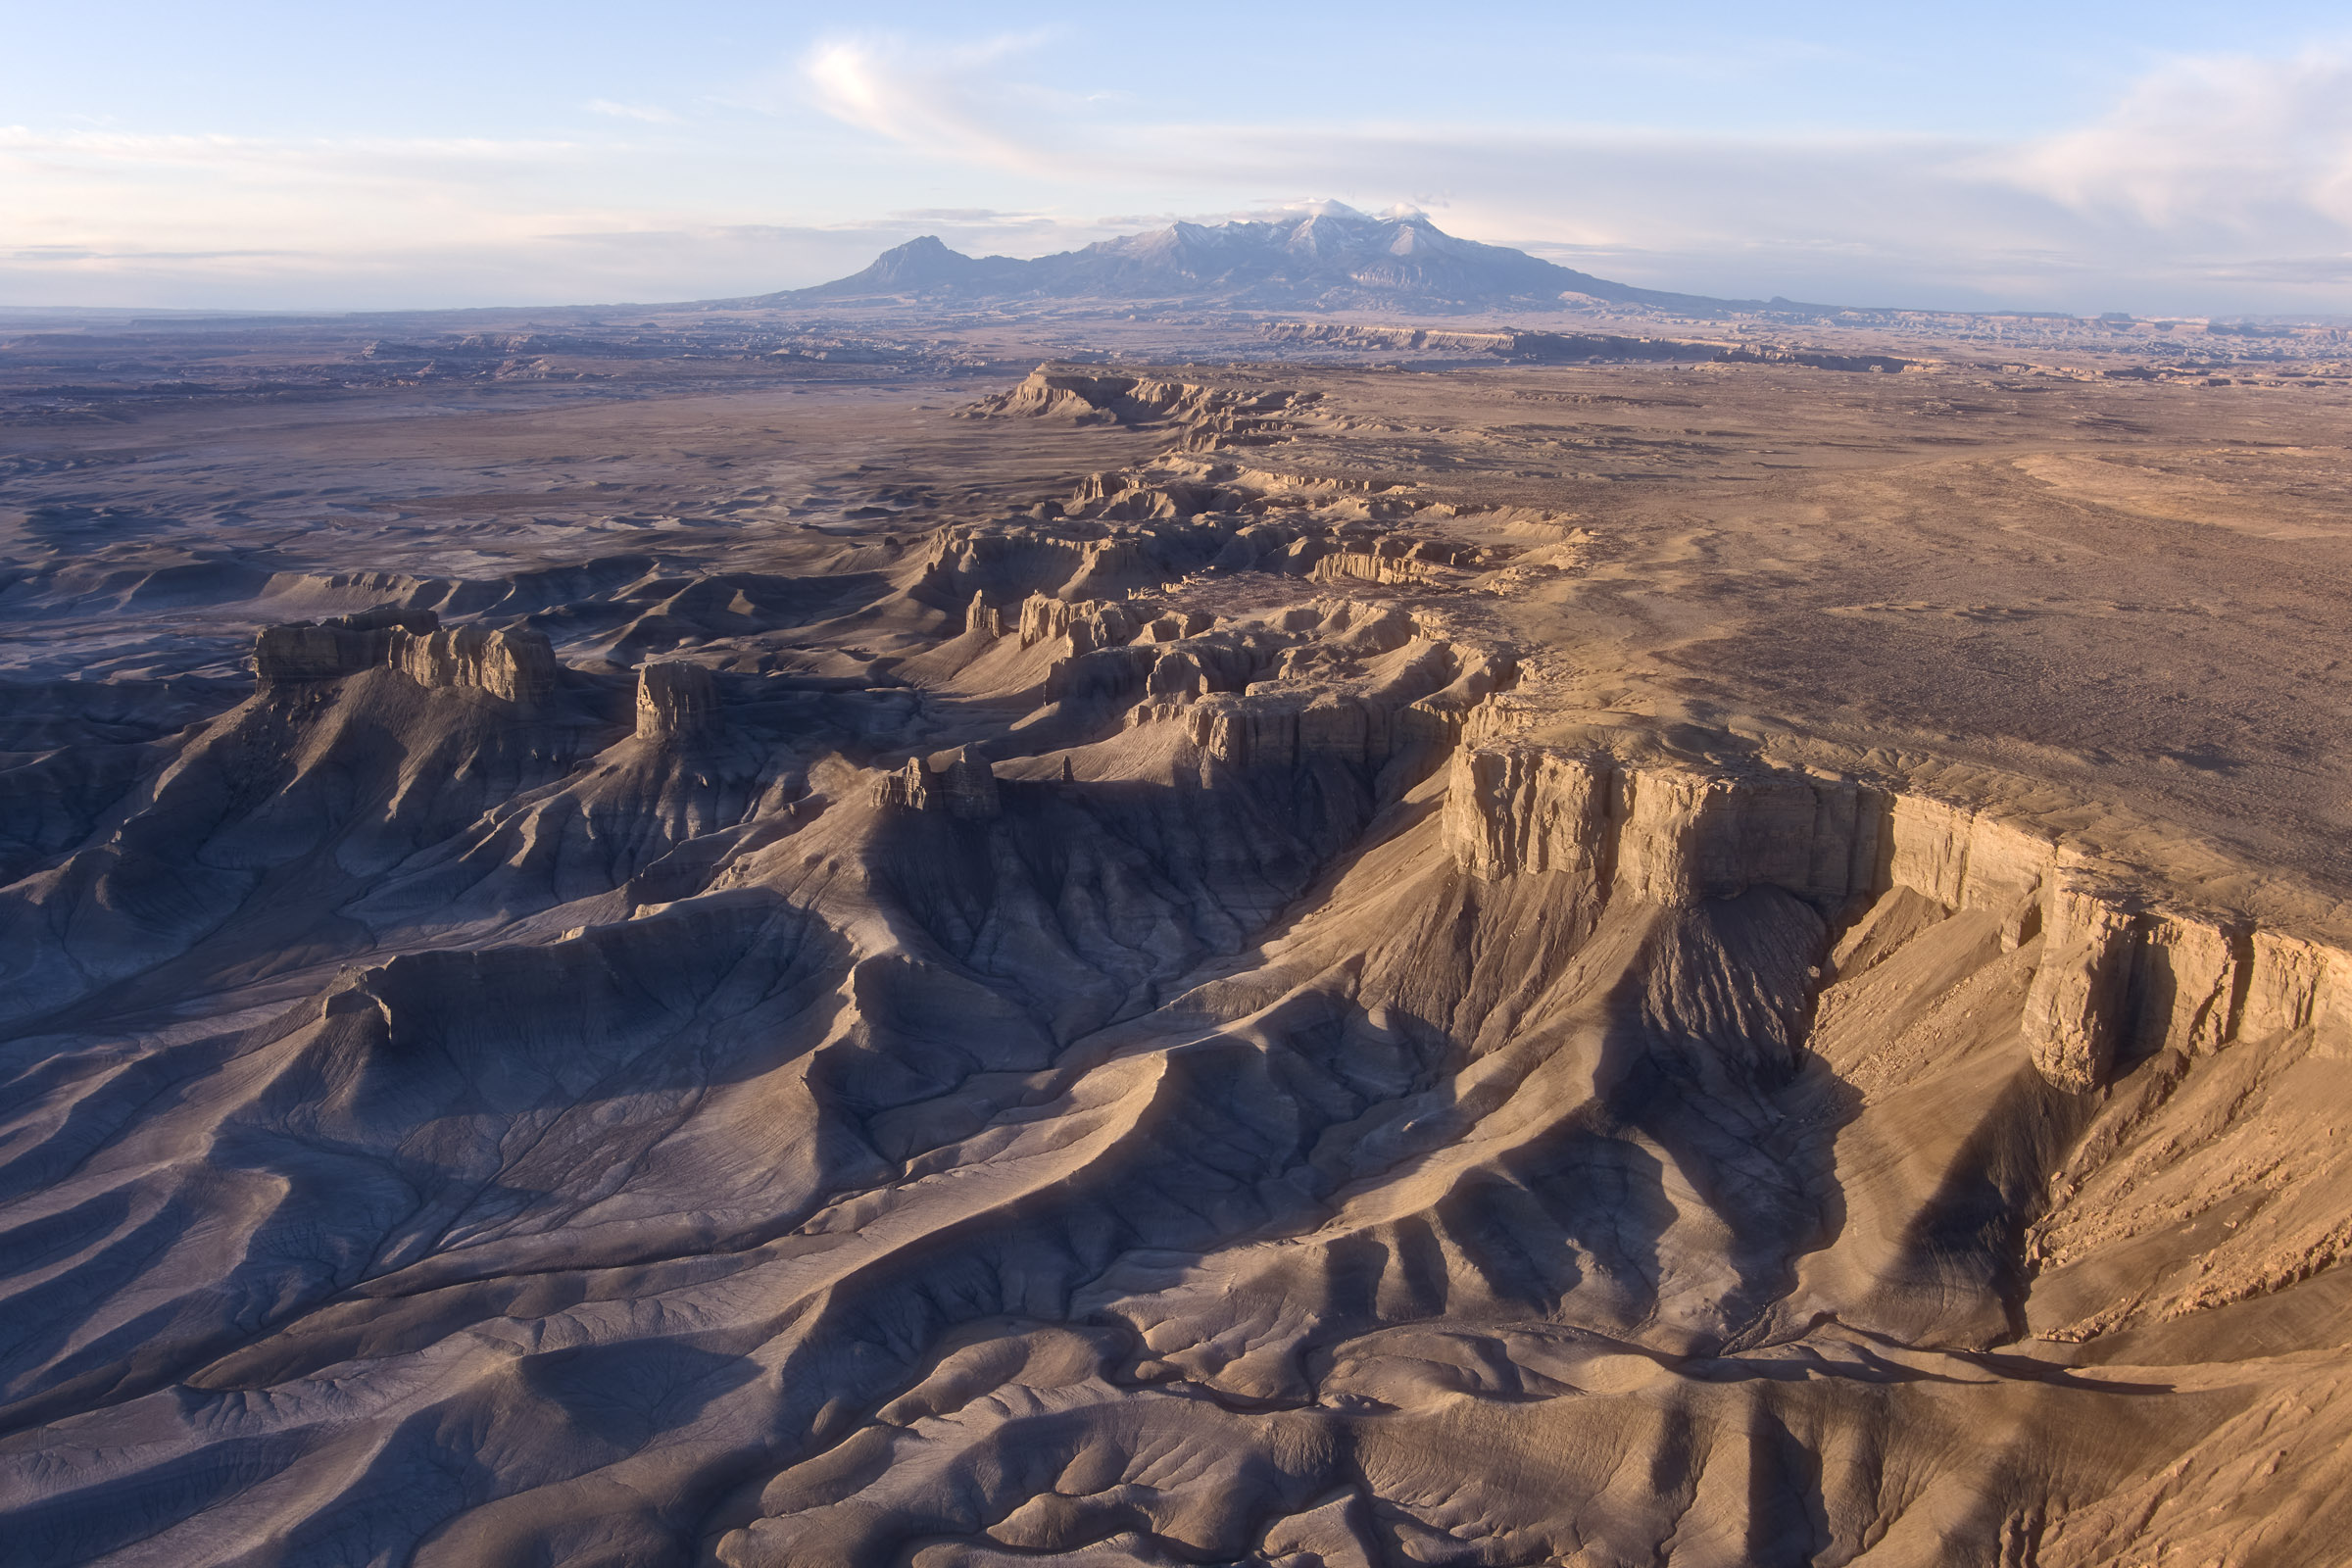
[1331, 258]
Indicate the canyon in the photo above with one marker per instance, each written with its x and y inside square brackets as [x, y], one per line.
[1597, 955]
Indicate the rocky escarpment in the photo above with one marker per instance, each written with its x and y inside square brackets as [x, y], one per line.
[517, 666]
[1072, 561]
[1608, 970]
[1205, 417]
[306, 651]
[1372, 686]
[1128, 532]
[1331, 677]
[2117, 974]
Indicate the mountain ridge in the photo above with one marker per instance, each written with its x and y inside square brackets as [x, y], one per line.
[1331, 258]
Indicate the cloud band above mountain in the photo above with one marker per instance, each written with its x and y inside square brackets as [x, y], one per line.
[2215, 184]
[2209, 176]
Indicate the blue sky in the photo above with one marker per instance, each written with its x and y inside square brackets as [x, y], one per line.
[2154, 158]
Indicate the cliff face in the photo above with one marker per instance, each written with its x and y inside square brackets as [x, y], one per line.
[2114, 972]
[675, 702]
[1664, 835]
[1092, 398]
[517, 666]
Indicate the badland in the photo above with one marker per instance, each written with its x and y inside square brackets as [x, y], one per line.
[914, 931]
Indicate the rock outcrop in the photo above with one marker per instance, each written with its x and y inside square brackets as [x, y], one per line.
[1092, 397]
[1400, 560]
[2289, 984]
[1141, 529]
[1287, 731]
[2114, 975]
[284, 656]
[984, 617]
[1088, 625]
[517, 664]
[676, 701]
[965, 787]
[1078, 559]
[339, 646]
[2075, 1008]
[1665, 835]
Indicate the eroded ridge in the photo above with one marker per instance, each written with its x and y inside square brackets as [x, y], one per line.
[1125, 1028]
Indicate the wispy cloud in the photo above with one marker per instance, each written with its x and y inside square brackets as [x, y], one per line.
[111, 191]
[116, 215]
[966, 214]
[645, 113]
[963, 102]
[109, 217]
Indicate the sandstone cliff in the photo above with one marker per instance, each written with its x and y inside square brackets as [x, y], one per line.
[2114, 971]
[518, 665]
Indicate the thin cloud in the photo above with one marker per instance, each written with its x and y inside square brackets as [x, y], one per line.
[93, 213]
[646, 114]
[962, 103]
[70, 253]
[26, 142]
[966, 214]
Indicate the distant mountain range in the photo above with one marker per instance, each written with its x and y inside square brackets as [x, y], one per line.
[1331, 258]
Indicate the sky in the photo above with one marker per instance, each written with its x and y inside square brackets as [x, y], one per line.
[2158, 158]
